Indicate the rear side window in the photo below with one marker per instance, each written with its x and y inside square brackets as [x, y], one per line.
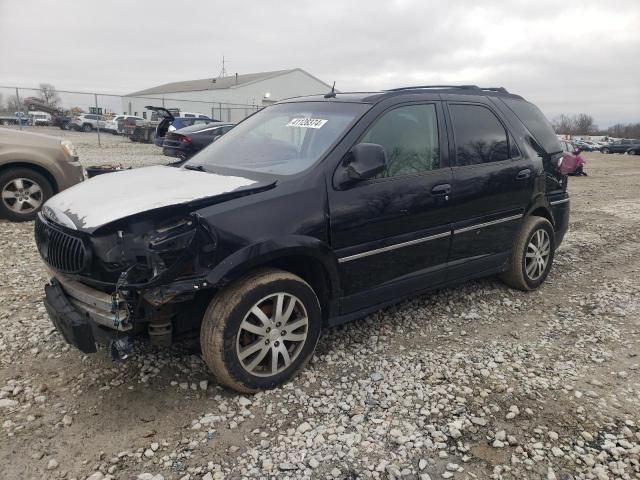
[189, 115]
[409, 135]
[536, 123]
[479, 135]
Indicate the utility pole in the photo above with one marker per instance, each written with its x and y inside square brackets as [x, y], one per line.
[95, 97]
[18, 102]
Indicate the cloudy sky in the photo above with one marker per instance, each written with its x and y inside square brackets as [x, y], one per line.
[566, 56]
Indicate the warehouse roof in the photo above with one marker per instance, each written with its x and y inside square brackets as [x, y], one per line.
[219, 83]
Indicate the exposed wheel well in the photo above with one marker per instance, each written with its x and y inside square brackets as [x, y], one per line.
[311, 271]
[36, 168]
[544, 213]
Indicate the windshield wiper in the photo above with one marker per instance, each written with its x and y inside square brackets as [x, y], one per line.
[199, 168]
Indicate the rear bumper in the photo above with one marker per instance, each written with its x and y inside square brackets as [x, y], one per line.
[560, 209]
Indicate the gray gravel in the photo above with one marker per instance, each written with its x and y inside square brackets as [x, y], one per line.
[477, 381]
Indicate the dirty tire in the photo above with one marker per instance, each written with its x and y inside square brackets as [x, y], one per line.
[631, 152]
[31, 175]
[225, 314]
[516, 276]
[87, 127]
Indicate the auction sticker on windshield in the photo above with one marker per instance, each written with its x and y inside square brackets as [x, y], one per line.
[307, 122]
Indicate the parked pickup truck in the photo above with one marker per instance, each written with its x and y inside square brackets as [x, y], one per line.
[622, 146]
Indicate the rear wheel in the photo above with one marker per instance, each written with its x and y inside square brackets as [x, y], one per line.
[261, 330]
[23, 192]
[532, 255]
[605, 150]
[631, 152]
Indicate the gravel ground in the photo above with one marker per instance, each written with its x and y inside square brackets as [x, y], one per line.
[472, 382]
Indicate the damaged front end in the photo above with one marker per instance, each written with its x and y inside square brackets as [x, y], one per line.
[129, 277]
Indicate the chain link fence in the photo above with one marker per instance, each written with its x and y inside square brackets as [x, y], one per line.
[36, 110]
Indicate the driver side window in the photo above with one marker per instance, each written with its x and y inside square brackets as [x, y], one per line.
[409, 135]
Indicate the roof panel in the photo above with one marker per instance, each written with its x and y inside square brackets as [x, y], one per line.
[219, 83]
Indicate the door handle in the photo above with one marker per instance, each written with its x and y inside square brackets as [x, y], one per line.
[441, 189]
[523, 174]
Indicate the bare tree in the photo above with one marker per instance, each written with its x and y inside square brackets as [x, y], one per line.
[580, 124]
[49, 94]
[620, 130]
[15, 104]
[583, 124]
[1, 104]
[563, 124]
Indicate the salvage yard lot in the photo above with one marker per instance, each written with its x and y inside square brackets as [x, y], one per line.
[477, 381]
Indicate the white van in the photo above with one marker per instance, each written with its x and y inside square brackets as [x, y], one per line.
[40, 118]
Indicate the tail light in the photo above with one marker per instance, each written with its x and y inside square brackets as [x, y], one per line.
[185, 138]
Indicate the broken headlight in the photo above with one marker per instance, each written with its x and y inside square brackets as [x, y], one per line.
[169, 242]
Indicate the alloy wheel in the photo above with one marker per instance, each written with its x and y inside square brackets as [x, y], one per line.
[272, 334]
[537, 254]
[22, 195]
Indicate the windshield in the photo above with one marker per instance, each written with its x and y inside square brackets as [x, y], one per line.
[282, 139]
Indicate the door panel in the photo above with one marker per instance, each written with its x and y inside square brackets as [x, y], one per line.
[395, 229]
[492, 186]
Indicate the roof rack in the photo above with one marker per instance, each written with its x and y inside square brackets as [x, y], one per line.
[495, 89]
[461, 87]
[417, 87]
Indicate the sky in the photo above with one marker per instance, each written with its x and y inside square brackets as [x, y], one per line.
[567, 57]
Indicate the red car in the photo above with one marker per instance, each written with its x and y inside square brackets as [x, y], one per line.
[572, 162]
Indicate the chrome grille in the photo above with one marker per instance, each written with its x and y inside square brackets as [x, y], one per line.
[64, 252]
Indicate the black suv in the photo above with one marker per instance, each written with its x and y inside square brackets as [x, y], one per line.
[312, 212]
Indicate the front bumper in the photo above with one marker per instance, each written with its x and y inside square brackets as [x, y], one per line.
[83, 315]
[71, 173]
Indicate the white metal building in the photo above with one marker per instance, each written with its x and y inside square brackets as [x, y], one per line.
[229, 98]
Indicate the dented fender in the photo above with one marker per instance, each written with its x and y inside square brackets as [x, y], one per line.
[253, 256]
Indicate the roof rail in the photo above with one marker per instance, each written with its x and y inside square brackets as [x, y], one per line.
[495, 89]
[418, 87]
[461, 87]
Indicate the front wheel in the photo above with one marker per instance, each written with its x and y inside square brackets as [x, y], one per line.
[87, 127]
[605, 150]
[260, 331]
[631, 152]
[532, 255]
[23, 192]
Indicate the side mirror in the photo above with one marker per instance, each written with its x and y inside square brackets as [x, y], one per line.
[364, 161]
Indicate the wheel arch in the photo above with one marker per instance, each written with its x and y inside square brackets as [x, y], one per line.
[309, 258]
[544, 212]
[539, 207]
[32, 166]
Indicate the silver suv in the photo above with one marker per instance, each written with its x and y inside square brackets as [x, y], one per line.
[33, 168]
[88, 122]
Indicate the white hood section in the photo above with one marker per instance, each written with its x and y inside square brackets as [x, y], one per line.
[111, 196]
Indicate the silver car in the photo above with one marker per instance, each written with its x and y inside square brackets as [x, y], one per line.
[33, 168]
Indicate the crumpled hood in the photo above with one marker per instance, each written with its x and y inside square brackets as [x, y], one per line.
[105, 198]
